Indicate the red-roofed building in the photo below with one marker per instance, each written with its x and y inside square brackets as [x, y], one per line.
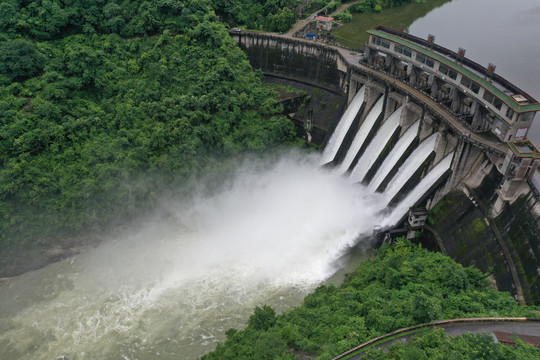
[324, 23]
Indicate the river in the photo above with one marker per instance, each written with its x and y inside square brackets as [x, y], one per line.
[169, 287]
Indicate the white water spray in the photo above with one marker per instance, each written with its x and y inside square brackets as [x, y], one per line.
[331, 149]
[170, 288]
[362, 135]
[368, 158]
[419, 190]
[409, 167]
[391, 160]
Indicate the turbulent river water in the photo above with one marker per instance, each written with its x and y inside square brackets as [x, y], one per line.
[170, 287]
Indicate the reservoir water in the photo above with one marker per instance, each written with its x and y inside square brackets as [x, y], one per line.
[501, 32]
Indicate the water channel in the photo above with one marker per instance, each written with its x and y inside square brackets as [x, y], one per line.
[170, 287]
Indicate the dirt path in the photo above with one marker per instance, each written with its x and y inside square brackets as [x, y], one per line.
[300, 24]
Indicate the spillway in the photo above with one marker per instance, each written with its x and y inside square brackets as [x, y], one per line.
[419, 190]
[409, 167]
[397, 152]
[368, 158]
[362, 135]
[332, 148]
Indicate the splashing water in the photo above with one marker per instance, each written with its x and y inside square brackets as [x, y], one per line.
[397, 152]
[376, 146]
[332, 148]
[171, 287]
[420, 189]
[362, 135]
[413, 162]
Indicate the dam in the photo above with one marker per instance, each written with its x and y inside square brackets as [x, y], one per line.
[420, 122]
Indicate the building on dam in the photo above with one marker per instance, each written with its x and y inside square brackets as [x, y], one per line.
[482, 99]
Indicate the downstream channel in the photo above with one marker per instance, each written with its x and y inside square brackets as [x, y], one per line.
[169, 288]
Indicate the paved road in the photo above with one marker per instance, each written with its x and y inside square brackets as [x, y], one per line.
[532, 328]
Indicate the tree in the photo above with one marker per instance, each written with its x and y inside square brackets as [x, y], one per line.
[19, 59]
[263, 318]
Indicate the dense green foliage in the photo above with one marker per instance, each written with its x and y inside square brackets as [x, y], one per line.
[437, 345]
[368, 6]
[402, 285]
[270, 15]
[105, 104]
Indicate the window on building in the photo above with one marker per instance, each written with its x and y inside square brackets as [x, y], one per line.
[451, 73]
[528, 116]
[475, 87]
[488, 97]
[402, 50]
[493, 100]
[468, 83]
[497, 103]
[509, 113]
[421, 58]
[380, 41]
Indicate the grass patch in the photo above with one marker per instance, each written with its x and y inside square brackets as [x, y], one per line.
[354, 34]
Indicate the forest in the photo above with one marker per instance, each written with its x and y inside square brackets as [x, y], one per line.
[105, 105]
[400, 286]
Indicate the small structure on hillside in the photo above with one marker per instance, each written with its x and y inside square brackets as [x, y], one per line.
[324, 23]
[415, 221]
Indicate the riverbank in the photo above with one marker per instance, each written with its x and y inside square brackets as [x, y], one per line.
[17, 262]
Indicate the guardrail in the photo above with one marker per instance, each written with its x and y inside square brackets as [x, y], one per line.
[470, 321]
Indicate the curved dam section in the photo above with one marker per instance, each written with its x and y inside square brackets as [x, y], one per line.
[465, 112]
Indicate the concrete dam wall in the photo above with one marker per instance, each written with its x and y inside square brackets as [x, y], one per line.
[399, 138]
[311, 63]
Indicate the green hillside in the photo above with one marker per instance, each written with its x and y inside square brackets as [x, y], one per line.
[105, 105]
[402, 285]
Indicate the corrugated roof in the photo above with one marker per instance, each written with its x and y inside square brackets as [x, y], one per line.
[324, 18]
[507, 99]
